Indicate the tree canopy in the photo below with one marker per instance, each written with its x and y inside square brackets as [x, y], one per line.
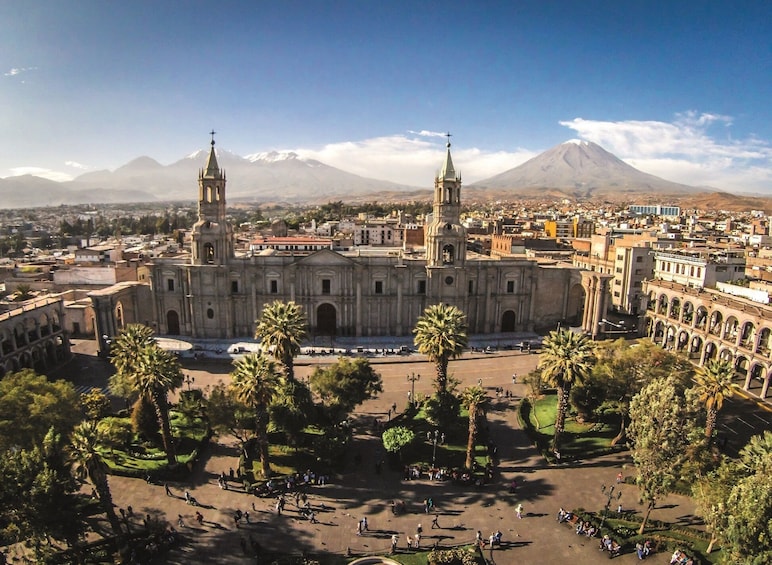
[441, 335]
[665, 437]
[344, 385]
[31, 405]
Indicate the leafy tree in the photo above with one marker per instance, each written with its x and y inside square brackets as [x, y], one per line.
[88, 463]
[566, 359]
[31, 405]
[625, 370]
[38, 496]
[441, 335]
[291, 410]
[281, 329]
[255, 381]
[229, 415]
[95, 404]
[665, 438]
[144, 422]
[397, 438]
[344, 385]
[710, 494]
[114, 432]
[476, 402]
[713, 383]
[749, 529]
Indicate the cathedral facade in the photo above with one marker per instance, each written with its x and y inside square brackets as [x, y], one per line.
[217, 292]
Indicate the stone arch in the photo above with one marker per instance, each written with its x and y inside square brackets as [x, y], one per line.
[674, 312]
[119, 320]
[682, 340]
[172, 322]
[757, 372]
[651, 303]
[730, 329]
[748, 335]
[716, 323]
[44, 324]
[695, 348]
[326, 319]
[670, 337]
[763, 346]
[701, 318]
[711, 351]
[659, 333]
[688, 316]
[725, 354]
[508, 320]
[741, 366]
[208, 253]
[662, 304]
[448, 254]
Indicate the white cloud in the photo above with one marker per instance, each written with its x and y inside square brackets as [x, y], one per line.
[49, 174]
[410, 159]
[17, 71]
[686, 150]
[76, 165]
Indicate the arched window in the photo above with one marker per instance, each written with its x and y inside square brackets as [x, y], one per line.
[208, 253]
[448, 254]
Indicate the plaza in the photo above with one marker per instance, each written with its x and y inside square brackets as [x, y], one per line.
[358, 491]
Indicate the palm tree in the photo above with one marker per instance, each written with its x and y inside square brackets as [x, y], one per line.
[440, 334]
[255, 383]
[476, 402]
[281, 328]
[566, 359]
[87, 461]
[714, 383]
[128, 344]
[157, 372]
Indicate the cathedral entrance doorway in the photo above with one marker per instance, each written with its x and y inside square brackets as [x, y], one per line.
[508, 321]
[172, 323]
[326, 320]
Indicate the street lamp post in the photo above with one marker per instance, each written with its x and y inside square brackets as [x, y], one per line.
[609, 492]
[189, 381]
[412, 378]
[433, 438]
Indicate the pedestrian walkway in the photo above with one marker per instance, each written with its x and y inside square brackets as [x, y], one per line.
[361, 491]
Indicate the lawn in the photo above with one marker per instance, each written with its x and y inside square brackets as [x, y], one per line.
[139, 458]
[580, 440]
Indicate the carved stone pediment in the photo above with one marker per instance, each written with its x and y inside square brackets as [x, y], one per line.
[325, 257]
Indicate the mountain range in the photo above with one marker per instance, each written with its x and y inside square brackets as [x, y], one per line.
[577, 170]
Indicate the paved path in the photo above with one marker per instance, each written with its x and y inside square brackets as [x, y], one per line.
[359, 491]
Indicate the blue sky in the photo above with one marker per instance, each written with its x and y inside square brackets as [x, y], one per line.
[676, 88]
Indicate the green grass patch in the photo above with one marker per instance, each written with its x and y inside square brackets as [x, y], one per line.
[580, 440]
[140, 458]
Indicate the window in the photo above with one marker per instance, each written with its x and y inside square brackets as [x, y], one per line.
[510, 287]
[325, 286]
[639, 259]
[209, 313]
[170, 285]
[234, 286]
[421, 287]
[378, 287]
[274, 286]
[471, 287]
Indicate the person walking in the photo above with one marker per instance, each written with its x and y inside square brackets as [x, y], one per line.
[313, 517]
[519, 511]
[167, 489]
[180, 521]
[394, 540]
[417, 541]
[435, 521]
[364, 525]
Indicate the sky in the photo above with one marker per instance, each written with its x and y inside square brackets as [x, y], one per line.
[677, 88]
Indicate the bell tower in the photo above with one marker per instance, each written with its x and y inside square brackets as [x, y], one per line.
[445, 238]
[212, 234]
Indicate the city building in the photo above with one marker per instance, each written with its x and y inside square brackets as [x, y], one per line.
[217, 293]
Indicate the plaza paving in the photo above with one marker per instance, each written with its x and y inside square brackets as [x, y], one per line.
[359, 491]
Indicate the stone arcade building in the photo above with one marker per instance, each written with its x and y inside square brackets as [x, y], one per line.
[217, 292]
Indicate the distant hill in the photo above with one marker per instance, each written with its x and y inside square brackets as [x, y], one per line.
[580, 170]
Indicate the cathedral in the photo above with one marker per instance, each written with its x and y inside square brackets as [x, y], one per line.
[218, 292]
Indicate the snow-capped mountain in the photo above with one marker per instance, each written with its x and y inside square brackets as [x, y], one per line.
[581, 169]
